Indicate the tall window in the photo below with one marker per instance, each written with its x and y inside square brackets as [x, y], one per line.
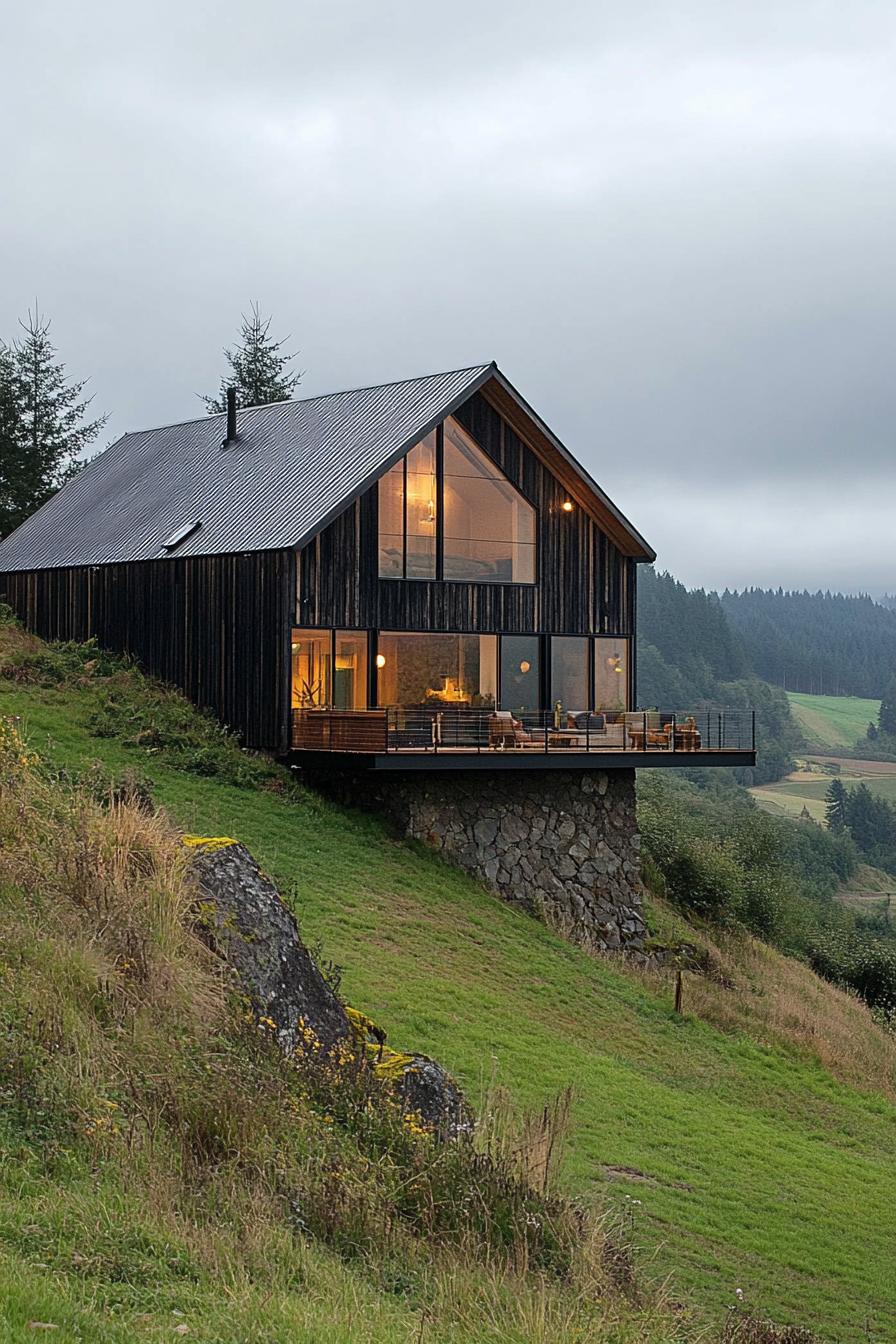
[311, 663]
[350, 670]
[407, 512]
[521, 673]
[446, 488]
[610, 673]
[569, 672]
[435, 671]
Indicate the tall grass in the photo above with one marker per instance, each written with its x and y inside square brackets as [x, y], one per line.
[184, 1151]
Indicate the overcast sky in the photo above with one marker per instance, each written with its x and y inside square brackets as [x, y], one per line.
[673, 226]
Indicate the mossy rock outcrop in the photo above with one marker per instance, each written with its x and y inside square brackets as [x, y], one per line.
[246, 922]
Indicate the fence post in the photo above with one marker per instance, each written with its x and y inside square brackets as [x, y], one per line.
[678, 991]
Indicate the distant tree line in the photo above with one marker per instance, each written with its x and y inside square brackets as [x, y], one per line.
[690, 657]
[819, 643]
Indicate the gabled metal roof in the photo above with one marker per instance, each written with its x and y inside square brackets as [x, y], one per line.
[174, 491]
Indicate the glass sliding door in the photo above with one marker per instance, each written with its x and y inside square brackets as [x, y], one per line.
[521, 673]
[569, 672]
[610, 674]
[350, 670]
[417, 671]
[311, 667]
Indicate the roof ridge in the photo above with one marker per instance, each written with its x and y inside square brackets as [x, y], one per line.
[303, 401]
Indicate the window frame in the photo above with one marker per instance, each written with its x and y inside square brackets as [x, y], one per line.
[440, 520]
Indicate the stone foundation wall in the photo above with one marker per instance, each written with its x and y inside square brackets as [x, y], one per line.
[560, 844]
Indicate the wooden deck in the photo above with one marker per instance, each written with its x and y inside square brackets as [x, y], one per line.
[452, 737]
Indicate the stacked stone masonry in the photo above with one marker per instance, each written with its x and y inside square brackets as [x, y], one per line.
[562, 845]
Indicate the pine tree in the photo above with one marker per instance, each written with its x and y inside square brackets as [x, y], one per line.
[835, 811]
[887, 716]
[48, 431]
[258, 370]
[11, 456]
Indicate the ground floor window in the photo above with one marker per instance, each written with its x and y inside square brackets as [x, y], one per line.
[329, 669]
[570, 664]
[611, 674]
[335, 669]
[521, 673]
[350, 670]
[417, 670]
[311, 661]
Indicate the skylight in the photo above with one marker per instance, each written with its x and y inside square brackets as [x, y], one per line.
[180, 535]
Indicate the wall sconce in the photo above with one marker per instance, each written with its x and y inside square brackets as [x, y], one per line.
[380, 660]
[567, 506]
[524, 666]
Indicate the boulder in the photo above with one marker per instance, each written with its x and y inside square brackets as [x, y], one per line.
[245, 921]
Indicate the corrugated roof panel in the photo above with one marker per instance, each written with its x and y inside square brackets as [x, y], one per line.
[296, 464]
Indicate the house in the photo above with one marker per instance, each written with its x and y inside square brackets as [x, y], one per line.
[416, 575]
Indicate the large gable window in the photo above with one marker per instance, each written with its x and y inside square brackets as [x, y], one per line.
[446, 511]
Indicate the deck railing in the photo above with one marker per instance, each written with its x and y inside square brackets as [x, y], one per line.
[477, 732]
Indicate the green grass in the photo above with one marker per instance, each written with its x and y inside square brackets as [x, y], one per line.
[763, 1172]
[832, 721]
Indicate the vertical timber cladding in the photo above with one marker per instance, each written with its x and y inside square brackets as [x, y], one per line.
[584, 584]
[216, 626]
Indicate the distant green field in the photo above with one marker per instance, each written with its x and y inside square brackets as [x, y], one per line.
[772, 798]
[882, 785]
[787, 797]
[832, 720]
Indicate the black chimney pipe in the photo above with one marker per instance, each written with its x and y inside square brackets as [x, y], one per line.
[231, 417]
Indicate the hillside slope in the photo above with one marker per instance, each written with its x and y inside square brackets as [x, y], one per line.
[751, 1143]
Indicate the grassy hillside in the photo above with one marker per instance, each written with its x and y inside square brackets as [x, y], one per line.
[749, 1144]
[832, 721]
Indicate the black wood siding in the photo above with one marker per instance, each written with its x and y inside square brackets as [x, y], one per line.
[217, 626]
[585, 585]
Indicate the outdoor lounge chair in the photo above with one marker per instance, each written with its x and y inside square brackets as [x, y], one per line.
[506, 731]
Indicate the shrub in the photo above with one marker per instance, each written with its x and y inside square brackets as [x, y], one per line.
[55, 664]
[150, 716]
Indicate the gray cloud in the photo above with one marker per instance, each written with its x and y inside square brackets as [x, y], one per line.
[671, 226]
